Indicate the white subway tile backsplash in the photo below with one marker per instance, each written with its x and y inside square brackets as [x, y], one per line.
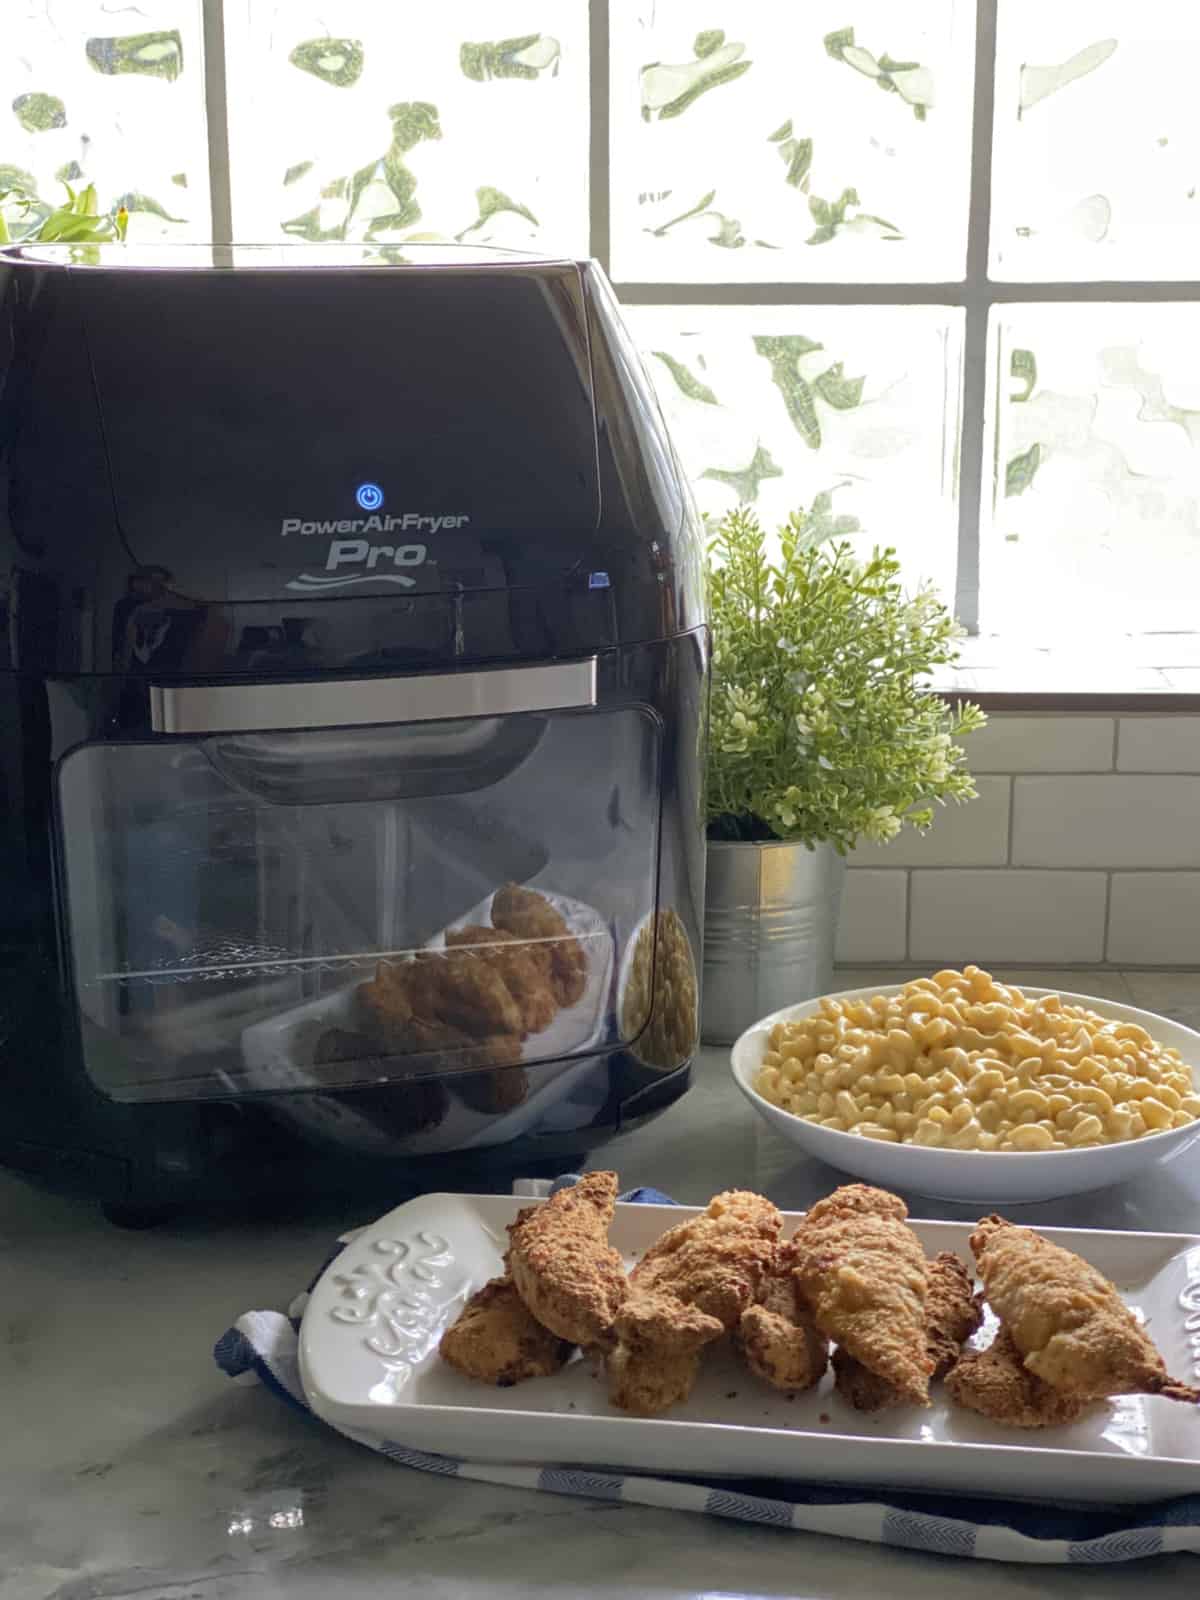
[874, 918]
[1014, 916]
[1154, 919]
[1115, 821]
[1159, 744]
[970, 835]
[1041, 744]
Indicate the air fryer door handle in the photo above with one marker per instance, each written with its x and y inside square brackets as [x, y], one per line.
[362, 702]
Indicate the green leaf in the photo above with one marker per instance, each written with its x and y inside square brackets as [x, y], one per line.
[1023, 366]
[335, 61]
[745, 481]
[697, 210]
[136, 201]
[525, 57]
[820, 210]
[799, 156]
[840, 392]
[39, 113]
[668, 90]
[1037, 83]
[783, 351]
[708, 41]
[729, 233]
[294, 174]
[835, 43]
[784, 131]
[1021, 470]
[685, 381]
[150, 55]
[179, 179]
[492, 202]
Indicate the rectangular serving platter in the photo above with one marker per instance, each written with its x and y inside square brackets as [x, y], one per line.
[369, 1363]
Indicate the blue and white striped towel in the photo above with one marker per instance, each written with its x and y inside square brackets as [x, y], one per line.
[262, 1346]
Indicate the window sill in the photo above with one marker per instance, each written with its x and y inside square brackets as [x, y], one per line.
[1130, 672]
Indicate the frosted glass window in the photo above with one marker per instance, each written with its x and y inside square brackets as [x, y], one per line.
[1093, 520]
[462, 121]
[1097, 148]
[775, 406]
[113, 95]
[761, 142]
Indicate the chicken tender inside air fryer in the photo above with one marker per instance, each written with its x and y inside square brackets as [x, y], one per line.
[526, 977]
[528, 915]
[497, 1341]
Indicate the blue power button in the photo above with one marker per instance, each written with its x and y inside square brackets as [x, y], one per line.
[369, 496]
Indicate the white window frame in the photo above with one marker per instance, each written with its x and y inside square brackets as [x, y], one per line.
[975, 294]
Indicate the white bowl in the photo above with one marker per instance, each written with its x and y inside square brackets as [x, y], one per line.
[1014, 1177]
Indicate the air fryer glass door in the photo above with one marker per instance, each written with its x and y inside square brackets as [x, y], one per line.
[445, 903]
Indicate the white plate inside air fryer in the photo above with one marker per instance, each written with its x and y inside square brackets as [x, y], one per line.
[277, 1055]
[369, 1362]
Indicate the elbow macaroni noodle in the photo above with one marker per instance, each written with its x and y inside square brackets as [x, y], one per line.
[961, 1062]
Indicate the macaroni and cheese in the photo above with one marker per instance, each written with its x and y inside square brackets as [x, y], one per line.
[962, 1062]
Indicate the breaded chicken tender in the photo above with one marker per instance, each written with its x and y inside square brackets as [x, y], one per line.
[862, 1271]
[690, 1287]
[529, 915]
[497, 1341]
[1070, 1325]
[952, 1315]
[657, 1356]
[996, 1384]
[563, 1266]
[778, 1339]
[525, 971]
[716, 1261]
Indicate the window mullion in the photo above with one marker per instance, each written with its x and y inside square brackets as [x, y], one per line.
[599, 179]
[977, 301]
[216, 106]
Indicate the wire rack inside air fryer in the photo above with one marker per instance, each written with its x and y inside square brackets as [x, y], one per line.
[220, 959]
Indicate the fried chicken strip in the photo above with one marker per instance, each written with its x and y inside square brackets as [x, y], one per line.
[716, 1261]
[524, 969]
[952, 1315]
[996, 1384]
[862, 1271]
[1068, 1322]
[690, 1287]
[657, 1356]
[778, 1339]
[570, 1278]
[528, 915]
[497, 1341]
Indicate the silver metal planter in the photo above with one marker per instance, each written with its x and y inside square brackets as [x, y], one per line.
[770, 924]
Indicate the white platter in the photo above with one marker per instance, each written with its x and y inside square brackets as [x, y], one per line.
[278, 1055]
[1001, 1177]
[369, 1363]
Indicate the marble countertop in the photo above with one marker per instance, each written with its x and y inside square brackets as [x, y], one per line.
[130, 1467]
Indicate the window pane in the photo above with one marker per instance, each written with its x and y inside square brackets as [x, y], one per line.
[1097, 151]
[110, 95]
[464, 120]
[1093, 524]
[751, 142]
[775, 406]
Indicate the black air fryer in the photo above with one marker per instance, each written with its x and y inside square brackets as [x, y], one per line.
[354, 700]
